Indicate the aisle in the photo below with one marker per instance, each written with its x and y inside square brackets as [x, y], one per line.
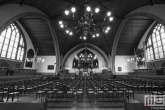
[86, 104]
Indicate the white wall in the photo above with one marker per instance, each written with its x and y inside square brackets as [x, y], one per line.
[42, 67]
[121, 61]
[69, 61]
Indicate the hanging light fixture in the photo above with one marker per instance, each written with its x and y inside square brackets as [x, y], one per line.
[85, 57]
[85, 22]
[35, 58]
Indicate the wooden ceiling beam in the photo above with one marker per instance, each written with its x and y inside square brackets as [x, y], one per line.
[104, 1]
[73, 3]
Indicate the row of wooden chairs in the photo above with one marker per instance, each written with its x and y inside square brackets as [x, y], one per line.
[15, 89]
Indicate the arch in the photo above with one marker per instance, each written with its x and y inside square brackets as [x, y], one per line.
[15, 12]
[89, 58]
[147, 11]
[30, 54]
[15, 47]
[70, 58]
[82, 46]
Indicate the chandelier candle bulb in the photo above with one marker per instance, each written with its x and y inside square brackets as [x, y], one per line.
[97, 35]
[66, 12]
[106, 31]
[73, 9]
[108, 28]
[110, 18]
[88, 8]
[60, 22]
[67, 31]
[97, 10]
[62, 26]
[93, 36]
[108, 13]
[71, 33]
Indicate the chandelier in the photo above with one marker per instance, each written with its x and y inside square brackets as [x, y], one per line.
[85, 21]
[85, 58]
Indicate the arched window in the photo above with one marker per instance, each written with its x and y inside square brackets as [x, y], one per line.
[156, 43]
[11, 43]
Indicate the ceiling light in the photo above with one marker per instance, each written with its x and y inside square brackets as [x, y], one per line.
[97, 10]
[62, 26]
[88, 8]
[106, 31]
[42, 60]
[108, 28]
[110, 18]
[85, 22]
[109, 13]
[97, 34]
[71, 33]
[73, 9]
[66, 12]
[60, 22]
[67, 31]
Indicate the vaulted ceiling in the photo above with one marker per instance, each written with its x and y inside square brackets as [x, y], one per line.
[39, 31]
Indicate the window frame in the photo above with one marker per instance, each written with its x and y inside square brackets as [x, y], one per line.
[21, 35]
[150, 35]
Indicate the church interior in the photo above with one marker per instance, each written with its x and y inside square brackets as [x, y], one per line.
[82, 54]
